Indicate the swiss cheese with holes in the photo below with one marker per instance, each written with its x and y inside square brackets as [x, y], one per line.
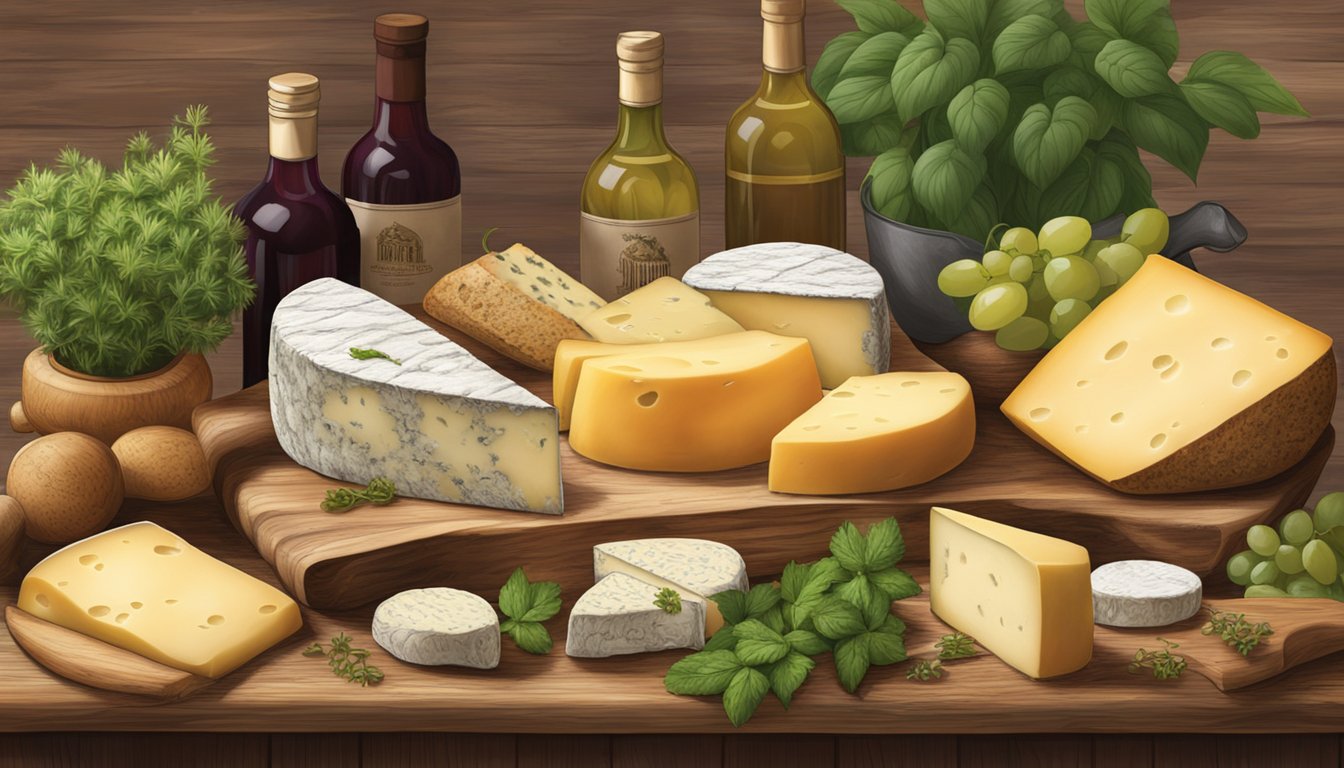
[145, 589]
[1178, 383]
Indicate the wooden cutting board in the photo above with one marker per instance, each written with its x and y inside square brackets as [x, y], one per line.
[346, 560]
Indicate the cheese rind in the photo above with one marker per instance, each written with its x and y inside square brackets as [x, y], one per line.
[876, 433]
[1025, 597]
[617, 616]
[146, 590]
[693, 408]
[1144, 593]
[664, 310]
[438, 626]
[441, 425]
[696, 568]
[515, 302]
[1177, 383]
[834, 300]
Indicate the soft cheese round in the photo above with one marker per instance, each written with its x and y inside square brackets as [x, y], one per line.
[1144, 593]
[438, 626]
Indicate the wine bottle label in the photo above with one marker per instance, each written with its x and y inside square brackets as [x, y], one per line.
[814, 178]
[405, 249]
[616, 256]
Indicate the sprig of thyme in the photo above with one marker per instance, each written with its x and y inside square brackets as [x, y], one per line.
[372, 354]
[1240, 635]
[350, 664]
[380, 491]
[957, 645]
[1165, 664]
[668, 599]
[925, 670]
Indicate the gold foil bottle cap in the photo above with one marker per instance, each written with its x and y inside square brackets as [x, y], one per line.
[294, 94]
[783, 11]
[640, 51]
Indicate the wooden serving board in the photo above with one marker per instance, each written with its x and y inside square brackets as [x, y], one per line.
[368, 554]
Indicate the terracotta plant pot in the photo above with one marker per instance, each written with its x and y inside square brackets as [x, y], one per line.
[57, 399]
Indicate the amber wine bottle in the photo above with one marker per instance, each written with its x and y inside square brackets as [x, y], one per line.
[640, 205]
[786, 168]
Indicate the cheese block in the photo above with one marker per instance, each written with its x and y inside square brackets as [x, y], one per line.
[1144, 593]
[696, 568]
[437, 422]
[1177, 383]
[514, 302]
[618, 616]
[146, 590]
[876, 433]
[663, 310]
[832, 299]
[1025, 597]
[697, 408]
[438, 626]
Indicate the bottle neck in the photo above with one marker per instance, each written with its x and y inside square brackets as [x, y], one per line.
[298, 177]
[639, 127]
[400, 73]
[782, 47]
[293, 138]
[394, 119]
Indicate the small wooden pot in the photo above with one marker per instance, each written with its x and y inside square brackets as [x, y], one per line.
[57, 399]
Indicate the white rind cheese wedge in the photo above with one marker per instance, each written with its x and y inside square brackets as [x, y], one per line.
[696, 568]
[1144, 593]
[1025, 597]
[438, 626]
[1177, 383]
[832, 299]
[617, 616]
[441, 425]
[664, 310]
[876, 433]
[146, 590]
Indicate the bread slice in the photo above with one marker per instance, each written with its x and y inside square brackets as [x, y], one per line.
[515, 302]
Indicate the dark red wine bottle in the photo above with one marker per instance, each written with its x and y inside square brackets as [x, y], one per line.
[402, 182]
[297, 229]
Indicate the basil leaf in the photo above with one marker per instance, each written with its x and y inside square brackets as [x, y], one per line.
[794, 577]
[1031, 42]
[774, 619]
[873, 136]
[805, 642]
[1167, 127]
[892, 626]
[820, 576]
[515, 596]
[977, 113]
[1119, 149]
[885, 648]
[545, 599]
[1104, 190]
[723, 640]
[744, 694]
[836, 619]
[980, 214]
[788, 675]
[1223, 106]
[732, 604]
[959, 18]
[875, 16]
[532, 637]
[876, 56]
[826, 72]
[884, 546]
[1160, 36]
[890, 174]
[1067, 194]
[895, 583]
[1123, 18]
[852, 661]
[1047, 140]
[857, 590]
[945, 178]
[930, 71]
[758, 644]
[706, 673]
[859, 98]
[1249, 79]
[1003, 13]
[1087, 40]
[1072, 81]
[1132, 70]
[847, 545]
[762, 598]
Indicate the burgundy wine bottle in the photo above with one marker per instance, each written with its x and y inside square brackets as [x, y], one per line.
[402, 182]
[297, 229]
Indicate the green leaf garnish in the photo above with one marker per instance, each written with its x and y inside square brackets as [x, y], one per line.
[668, 599]
[347, 663]
[527, 605]
[372, 354]
[957, 645]
[925, 670]
[379, 492]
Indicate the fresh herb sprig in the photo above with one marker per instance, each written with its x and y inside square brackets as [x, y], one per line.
[372, 354]
[925, 670]
[346, 662]
[380, 491]
[668, 599]
[527, 605]
[957, 645]
[1232, 628]
[839, 604]
[1164, 664]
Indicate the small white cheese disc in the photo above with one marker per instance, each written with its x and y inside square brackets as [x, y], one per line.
[1144, 593]
[438, 626]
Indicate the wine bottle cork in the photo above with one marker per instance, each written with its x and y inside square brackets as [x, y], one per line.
[641, 63]
[292, 100]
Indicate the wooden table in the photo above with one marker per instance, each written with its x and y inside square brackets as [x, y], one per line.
[525, 93]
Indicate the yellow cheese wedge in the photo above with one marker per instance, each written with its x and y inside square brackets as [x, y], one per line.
[145, 589]
[1177, 383]
[1025, 597]
[695, 406]
[664, 310]
[876, 433]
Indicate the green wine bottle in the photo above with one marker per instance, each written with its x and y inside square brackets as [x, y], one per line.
[640, 206]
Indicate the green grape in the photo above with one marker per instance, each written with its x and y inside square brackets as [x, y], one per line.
[1022, 335]
[1105, 292]
[1094, 247]
[1147, 230]
[997, 306]
[1000, 280]
[1065, 235]
[1296, 527]
[1329, 511]
[1265, 573]
[1305, 586]
[1264, 590]
[1109, 279]
[1320, 561]
[1022, 269]
[1071, 277]
[1239, 567]
[1066, 316]
[965, 277]
[1263, 540]
[1123, 259]
[1019, 240]
[1288, 559]
[996, 263]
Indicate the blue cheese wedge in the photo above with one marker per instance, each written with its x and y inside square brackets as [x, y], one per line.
[618, 616]
[434, 420]
[1144, 593]
[696, 568]
[438, 626]
[834, 300]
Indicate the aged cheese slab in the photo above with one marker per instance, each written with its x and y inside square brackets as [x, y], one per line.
[696, 568]
[618, 616]
[1144, 593]
[438, 422]
[664, 310]
[438, 626]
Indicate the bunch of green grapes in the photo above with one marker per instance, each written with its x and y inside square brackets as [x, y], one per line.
[1304, 557]
[1036, 287]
